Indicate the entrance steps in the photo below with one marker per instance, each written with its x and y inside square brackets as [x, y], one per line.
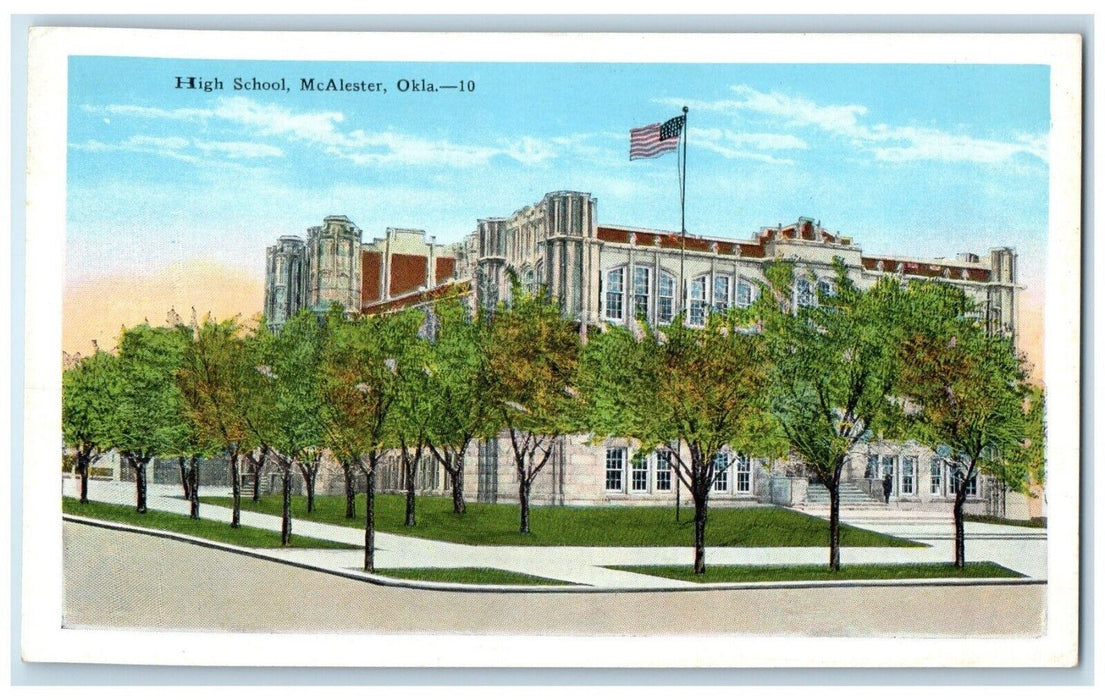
[851, 498]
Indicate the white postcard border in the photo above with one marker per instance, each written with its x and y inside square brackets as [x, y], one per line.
[44, 639]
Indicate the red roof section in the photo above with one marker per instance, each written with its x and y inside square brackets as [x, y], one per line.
[672, 241]
[418, 298]
[804, 230]
[916, 269]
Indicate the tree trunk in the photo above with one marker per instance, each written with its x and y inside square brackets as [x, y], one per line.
[194, 487]
[83, 461]
[309, 474]
[258, 468]
[184, 478]
[370, 517]
[457, 476]
[700, 505]
[350, 491]
[235, 491]
[834, 524]
[140, 481]
[960, 535]
[411, 469]
[678, 496]
[286, 508]
[523, 500]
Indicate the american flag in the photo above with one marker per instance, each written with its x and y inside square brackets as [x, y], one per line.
[655, 139]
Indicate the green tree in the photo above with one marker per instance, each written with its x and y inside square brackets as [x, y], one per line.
[965, 393]
[414, 413]
[458, 390]
[289, 420]
[360, 387]
[90, 392]
[682, 386]
[533, 356]
[214, 379]
[149, 417]
[833, 367]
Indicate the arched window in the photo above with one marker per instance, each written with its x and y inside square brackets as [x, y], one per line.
[803, 294]
[697, 302]
[826, 287]
[743, 470]
[721, 293]
[615, 290]
[665, 298]
[721, 472]
[642, 279]
[743, 297]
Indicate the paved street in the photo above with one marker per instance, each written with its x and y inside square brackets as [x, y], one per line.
[125, 580]
[1021, 549]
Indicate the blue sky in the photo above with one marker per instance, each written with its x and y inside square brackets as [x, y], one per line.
[916, 160]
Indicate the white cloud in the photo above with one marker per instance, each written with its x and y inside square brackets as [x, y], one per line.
[885, 142]
[183, 114]
[746, 146]
[185, 150]
[239, 149]
[328, 131]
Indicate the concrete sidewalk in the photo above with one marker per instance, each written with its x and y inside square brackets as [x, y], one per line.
[1021, 549]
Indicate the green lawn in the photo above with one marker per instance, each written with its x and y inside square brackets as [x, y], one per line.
[205, 529]
[471, 575]
[1039, 523]
[749, 574]
[621, 526]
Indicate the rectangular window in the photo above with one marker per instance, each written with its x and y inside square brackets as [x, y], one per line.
[615, 468]
[615, 286]
[955, 478]
[909, 470]
[665, 299]
[639, 472]
[744, 474]
[663, 471]
[744, 294]
[721, 472]
[872, 471]
[698, 302]
[641, 286]
[721, 293]
[936, 473]
[804, 297]
[888, 464]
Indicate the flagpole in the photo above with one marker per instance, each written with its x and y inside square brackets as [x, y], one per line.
[683, 219]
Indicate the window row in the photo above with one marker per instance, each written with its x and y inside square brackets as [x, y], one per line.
[652, 472]
[944, 477]
[705, 293]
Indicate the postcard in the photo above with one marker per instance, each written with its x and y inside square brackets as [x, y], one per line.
[501, 350]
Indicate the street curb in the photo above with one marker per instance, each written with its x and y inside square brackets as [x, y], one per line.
[675, 587]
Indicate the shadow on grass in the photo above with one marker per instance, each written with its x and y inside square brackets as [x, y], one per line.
[588, 526]
[855, 572]
[205, 529]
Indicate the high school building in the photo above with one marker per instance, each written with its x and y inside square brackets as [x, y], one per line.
[604, 273]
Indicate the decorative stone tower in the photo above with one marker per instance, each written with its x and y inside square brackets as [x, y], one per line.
[285, 281]
[491, 281]
[1001, 315]
[333, 264]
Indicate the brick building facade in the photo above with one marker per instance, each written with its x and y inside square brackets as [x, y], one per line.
[603, 273]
